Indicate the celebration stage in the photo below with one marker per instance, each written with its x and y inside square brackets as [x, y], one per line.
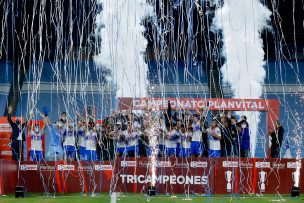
[173, 176]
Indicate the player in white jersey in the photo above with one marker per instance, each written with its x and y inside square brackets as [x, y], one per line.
[132, 136]
[91, 144]
[121, 145]
[214, 135]
[81, 141]
[36, 134]
[69, 135]
[170, 141]
[186, 137]
[196, 137]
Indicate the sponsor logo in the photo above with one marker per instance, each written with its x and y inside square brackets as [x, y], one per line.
[142, 163]
[163, 164]
[230, 164]
[6, 153]
[246, 164]
[294, 164]
[262, 164]
[128, 163]
[65, 167]
[47, 168]
[160, 164]
[278, 165]
[5, 127]
[103, 167]
[198, 164]
[27, 167]
[85, 168]
[181, 165]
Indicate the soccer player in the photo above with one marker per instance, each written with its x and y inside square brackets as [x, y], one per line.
[81, 141]
[91, 144]
[69, 135]
[186, 137]
[170, 140]
[214, 134]
[132, 136]
[36, 134]
[56, 151]
[121, 140]
[63, 118]
[196, 137]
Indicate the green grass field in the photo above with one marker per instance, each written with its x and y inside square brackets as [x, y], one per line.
[136, 198]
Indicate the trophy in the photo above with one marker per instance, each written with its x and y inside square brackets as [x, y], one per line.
[228, 176]
[262, 176]
[296, 178]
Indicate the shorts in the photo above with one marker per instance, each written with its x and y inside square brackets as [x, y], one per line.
[148, 151]
[161, 149]
[185, 152]
[36, 155]
[195, 148]
[132, 149]
[82, 153]
[121, 150]
[91, 155]
[55, 152]
[214, 153]
[178, 149]
[170, 151]
[69, 151]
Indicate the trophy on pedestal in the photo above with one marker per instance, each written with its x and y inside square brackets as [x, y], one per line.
[296, 178]
[262, 176]
[228, 176]
[295, 190]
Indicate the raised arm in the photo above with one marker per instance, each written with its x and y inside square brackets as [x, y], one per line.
[9, 116]
[29, 127]
[45, 120]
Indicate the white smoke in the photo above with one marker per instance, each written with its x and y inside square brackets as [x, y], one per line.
[122, 49]
[242, 22]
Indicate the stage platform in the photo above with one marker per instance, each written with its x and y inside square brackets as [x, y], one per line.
[173, 176]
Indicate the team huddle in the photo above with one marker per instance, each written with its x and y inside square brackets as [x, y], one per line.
[133, 135]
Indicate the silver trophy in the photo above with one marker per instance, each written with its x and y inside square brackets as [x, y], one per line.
[262, 176]
[296, 178]
[228, 176]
